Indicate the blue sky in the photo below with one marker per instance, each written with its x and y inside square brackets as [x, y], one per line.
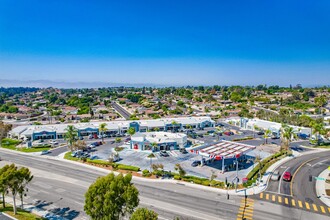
[166, 42]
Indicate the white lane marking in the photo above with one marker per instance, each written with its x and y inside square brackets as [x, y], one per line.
[280, 182]
[320, 162]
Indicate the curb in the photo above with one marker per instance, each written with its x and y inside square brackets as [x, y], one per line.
[8, 216]
[320, 188]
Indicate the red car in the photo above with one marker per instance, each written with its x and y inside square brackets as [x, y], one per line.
[287, 176]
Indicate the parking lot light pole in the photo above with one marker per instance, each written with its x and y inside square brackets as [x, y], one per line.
[236, 174]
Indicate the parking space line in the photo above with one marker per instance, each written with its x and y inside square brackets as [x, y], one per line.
[315, 208]
[267, 196]
[300, 204]
[261, 195]
[307, 206]
[279, 199]
[293, 202]
[273, 198]
[322, 209]
[286, 200]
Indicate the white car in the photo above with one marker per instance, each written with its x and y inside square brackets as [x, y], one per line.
[53, 142]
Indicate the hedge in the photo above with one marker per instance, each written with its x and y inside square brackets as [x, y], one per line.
[265, 163]
[128, 167]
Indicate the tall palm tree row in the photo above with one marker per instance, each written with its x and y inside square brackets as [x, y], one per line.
[71, 136]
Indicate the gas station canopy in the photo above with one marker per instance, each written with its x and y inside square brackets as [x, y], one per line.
[224, 150]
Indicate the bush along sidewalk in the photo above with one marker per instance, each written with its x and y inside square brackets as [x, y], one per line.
[262, 166]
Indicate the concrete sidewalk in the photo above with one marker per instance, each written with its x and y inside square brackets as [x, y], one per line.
[321, 187]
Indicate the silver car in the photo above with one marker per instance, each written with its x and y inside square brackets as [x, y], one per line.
[276, 175]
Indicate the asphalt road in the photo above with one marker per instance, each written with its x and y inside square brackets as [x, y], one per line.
[121, 110]
[300, 187]
[60, 186]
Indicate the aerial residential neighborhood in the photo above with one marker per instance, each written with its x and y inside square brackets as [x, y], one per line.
[164, 110]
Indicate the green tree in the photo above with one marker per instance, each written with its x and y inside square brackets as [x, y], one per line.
[102, 130]
[131, 131]
[4, 129]
[71, 136]
[287, 135]
[144, 214]
[179, 168]
[5, 175]
[266, 135]
[25, 176]
[318, 129]
[111, 197]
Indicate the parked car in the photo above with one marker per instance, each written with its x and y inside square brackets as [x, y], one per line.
[276, 175]
[53, 142]
[44, 152]
[183, 151]
[81, 138]
[90, 136]
[94, 157]
[163, 153]
[287, 176]
[196, 163]
[228, 133]
[260, 133]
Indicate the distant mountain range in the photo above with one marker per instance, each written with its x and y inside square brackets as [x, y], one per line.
[62, 84]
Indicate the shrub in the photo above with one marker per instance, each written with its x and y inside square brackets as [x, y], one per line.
[177, 177]
[146, 173]
[206, 183]
[128, 167]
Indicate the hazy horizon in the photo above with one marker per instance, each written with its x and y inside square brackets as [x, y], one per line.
[165, 43]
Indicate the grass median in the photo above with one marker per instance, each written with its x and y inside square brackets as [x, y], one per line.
[12, 144]
[21, 214]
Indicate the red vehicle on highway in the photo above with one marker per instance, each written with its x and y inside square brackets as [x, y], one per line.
[287, 176]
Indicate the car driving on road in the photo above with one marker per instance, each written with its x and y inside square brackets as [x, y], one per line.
[276, 175]
[287, 176]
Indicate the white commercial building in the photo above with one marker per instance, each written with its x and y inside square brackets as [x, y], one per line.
[158, 141]
[57, 131]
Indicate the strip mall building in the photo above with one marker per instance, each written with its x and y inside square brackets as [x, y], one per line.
[57, 131]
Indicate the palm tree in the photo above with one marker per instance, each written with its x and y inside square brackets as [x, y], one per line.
[71, 135]
[266, 135]
[318, 129]
[287, 135]
[102, 129]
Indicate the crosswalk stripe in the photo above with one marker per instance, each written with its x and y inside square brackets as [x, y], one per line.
[280, 199]
[300, 204]
[245, 213]
[293, 202]
[245, 217]
[322, 209]
[267, 196]
[315, 208]
[273, 198]
[261, 195]
[246, 210]
[307, 206]
[286, 200]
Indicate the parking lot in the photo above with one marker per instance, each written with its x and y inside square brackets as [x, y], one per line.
[246, 163]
